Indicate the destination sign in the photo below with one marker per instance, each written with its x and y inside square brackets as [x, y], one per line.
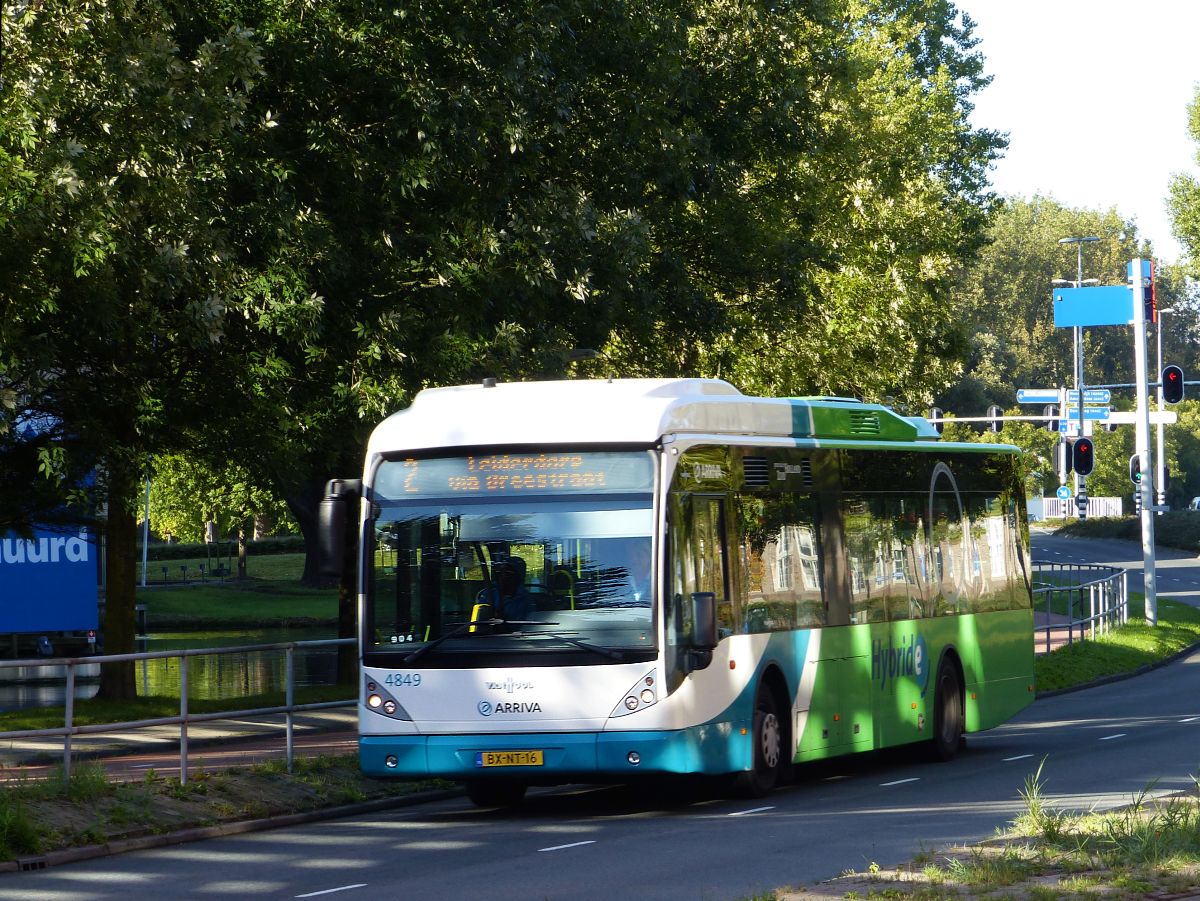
[508, 474]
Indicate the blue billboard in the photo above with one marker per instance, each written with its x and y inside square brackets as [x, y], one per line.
[48, 582]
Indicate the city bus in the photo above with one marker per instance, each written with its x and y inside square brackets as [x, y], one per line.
[603, 580]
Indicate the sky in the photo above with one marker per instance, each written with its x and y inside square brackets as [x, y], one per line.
[1093, 95]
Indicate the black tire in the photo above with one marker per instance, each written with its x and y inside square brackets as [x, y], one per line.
[496, 792]
[767, 735]
[948, 718]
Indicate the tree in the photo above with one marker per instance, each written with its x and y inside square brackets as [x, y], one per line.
[116, 259]
[691, 187]
[1006, 303]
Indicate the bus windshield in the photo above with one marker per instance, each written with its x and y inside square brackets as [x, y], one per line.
[511, 570]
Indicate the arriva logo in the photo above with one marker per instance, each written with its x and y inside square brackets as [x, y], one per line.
[487, 708]
[909, 659]
[47, 549]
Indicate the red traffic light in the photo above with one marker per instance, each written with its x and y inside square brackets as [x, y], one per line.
[1083, 456]
[1172, 384]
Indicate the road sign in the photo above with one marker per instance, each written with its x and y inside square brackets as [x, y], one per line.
[1088, 413]
[1064, 492]
[1090, 396]
[1101, 305]
[1128, 417]
[1038, 396]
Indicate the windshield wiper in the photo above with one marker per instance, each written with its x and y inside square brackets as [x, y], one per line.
[462, 628]
[453, 633]
[595, 649]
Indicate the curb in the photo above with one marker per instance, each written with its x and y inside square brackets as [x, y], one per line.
[199, 833]
[1120, 677]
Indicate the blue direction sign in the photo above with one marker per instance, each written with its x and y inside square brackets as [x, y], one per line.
[1088, 413]
[1101, 305]
[1090, 396]
[1037, 396]
[1064, 492]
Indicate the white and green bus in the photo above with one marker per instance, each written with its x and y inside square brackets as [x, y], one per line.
[709, 583]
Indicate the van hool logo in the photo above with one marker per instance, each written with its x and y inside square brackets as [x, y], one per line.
[509, 685]
[487, 708]
[910, 658]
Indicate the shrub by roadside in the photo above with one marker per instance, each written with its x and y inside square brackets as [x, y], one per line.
[1174, 528]
[37, 817]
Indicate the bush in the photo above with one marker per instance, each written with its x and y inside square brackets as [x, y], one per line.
[1175, 528]
[281, 544]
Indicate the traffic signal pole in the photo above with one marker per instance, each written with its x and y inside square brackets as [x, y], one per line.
[1142, 443]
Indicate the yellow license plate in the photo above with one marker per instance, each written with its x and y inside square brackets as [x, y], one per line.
[509, 758]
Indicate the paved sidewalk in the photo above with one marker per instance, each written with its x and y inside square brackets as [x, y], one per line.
[259, 730]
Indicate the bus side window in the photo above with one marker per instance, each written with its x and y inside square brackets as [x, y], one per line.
[698, 563]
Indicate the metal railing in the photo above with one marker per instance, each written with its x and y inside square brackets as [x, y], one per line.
[1083, 599]
[72, 665]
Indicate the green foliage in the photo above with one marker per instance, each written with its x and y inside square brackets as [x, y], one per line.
[277, 546]
[19, 830]
[185, 493]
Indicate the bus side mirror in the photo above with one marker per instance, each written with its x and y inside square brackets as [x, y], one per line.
[331, 525]
[704, 621]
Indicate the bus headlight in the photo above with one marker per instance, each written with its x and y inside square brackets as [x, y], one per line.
[640, 696]
[377, 699]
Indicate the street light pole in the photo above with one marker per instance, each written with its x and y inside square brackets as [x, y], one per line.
[1080, 481]
[1160, 460]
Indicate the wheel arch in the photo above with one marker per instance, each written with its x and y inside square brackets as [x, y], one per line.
[776, 682]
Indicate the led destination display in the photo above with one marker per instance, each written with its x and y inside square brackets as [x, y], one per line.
[513, 473]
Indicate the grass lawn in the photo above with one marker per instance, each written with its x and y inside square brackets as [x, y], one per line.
[272, 567]
[271, 596]
[1123, 650]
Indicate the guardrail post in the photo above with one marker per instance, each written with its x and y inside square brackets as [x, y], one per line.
[69, 722]
[1092, 609]
[289, 668]
[183, 712]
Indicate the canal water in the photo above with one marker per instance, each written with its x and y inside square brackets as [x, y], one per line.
[210, 677]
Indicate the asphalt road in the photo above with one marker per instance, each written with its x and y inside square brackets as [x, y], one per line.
[1178, 572]
[1101, 747]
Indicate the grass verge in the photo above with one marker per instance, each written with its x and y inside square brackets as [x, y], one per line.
[1122, 650]
[1148, 848]
[42, 816]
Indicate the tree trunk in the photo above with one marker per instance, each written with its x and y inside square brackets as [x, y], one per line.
[304, 501]
[117, 680]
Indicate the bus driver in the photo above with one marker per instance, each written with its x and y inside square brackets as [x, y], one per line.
[507, 594]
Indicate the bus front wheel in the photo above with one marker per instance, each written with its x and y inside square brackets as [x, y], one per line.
[948, 712]
[496, 792]
[768, 748]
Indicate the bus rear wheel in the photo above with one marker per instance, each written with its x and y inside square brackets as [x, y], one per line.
[948, 724]
[768, 748]
[496, 792]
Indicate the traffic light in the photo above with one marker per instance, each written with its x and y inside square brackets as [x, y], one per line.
[1149, 292]
[1083, 456]
[1135, 469]
[936, 413]
[1050, 411]
[1150, 297]
[1172, 384]
[994, 414]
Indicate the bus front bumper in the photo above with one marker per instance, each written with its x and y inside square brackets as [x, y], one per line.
[710, 749]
